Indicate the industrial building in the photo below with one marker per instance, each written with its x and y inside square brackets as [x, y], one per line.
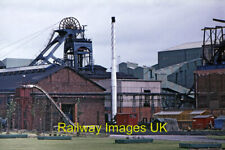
[16, 62]
[175, 67]
[184, 117]
[83, 90]
[131, 93]
[132, 98]
[140, 72]
[59, 77]
[210, 87]
[175, 70]
[80, 88]
[209, 78]
[34, 111]
[2, 65]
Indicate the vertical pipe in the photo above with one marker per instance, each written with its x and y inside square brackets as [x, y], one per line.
[203, 49]
[113, 72]
[196, 89]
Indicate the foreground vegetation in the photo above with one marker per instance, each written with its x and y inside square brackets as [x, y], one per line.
[217, 137]
[82, 144]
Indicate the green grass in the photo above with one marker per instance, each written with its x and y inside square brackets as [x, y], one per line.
[217, 137]
[82, 144]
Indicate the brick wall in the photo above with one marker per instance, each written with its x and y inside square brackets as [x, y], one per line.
[142, 112]
[3, 105]
[210, 87]
[35, 112]
[92, 111]
[66, 81]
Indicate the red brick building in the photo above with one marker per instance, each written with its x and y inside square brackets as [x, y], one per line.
[67, 87]
[136, 102]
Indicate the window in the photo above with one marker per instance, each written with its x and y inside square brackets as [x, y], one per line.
[176, 78]
[147, 91]
[150, 73]
[147, 98]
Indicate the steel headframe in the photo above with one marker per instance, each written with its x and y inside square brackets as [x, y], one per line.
[77, 49]
[214, 45]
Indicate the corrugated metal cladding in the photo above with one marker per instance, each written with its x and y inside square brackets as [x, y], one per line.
[171, 57]
[175, 67]
[210, 87]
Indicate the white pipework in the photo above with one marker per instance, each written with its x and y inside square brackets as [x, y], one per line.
[113, 72]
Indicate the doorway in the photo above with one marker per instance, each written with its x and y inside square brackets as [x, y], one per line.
[69, 110]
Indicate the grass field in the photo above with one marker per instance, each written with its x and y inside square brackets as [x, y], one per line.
[82, 144]
[217, 137]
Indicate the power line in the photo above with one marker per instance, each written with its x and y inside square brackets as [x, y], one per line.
[28, 36]
[25, 42]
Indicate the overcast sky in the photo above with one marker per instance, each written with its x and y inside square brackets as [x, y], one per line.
[143, 27]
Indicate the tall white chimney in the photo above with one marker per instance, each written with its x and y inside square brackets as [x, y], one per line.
[113, 72]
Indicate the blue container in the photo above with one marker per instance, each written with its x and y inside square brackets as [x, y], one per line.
[219, 122]
[127, 141]
[54, 138]
[7, 136]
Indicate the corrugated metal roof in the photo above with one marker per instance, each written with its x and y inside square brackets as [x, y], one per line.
[187, 46]
[197, 112]
[168, 113]
[12, 78]
[210, 69]
[16, 62]
[202, 116]
[220, 118]
[15, 69]
[107, 75]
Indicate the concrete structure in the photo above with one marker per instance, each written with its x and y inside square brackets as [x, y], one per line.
[34, 111]
[16, 62]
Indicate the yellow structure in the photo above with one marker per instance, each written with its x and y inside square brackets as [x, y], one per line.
[184, 118]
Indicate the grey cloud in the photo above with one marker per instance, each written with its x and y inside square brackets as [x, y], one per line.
[143, 27]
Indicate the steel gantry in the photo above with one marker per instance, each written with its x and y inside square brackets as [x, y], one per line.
[77, 49]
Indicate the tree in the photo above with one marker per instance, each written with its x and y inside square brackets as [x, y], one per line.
[11, 107]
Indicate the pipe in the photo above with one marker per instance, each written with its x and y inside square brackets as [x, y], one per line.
[108, 93]
[51, 100]
[113, 72]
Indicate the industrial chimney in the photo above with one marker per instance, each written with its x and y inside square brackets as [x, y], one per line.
[113, 72]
